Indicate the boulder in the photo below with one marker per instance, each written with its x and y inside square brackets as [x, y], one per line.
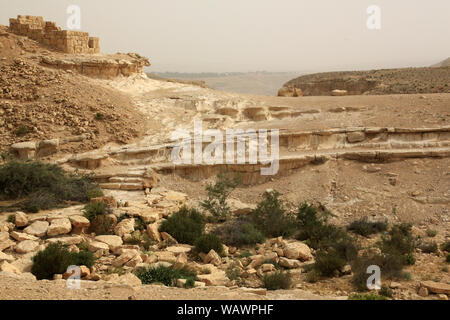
[289, 263]
[47, 147]
[79, 222]
[176, 196]
[268, 267]
[69, 240]
[166, 256]
[357, 136]
[27, 246]
[21, 219]
[6, 257]
[129, 279]
[37, 228]
[153, 233]
[124, 227]
[7, 267]
[298, 250]
[215, 278]
[24, 150]
[213, 258]
[110, 240]
[256, 261]
[25, 262]
[20, 236]
[94, 246]
[338, 93]
[59, 227]
[436, 287]
[179, 249]
[124, 258]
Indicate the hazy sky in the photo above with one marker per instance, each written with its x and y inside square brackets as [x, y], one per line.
[250, 35]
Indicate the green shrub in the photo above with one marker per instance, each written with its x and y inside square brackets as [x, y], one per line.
[271, 217]
[429, 247]
[448, 258]
[366, 296]
[431, 233]
[246, 254]
[313, 276]
[83, 246]
[218, 193]
[190, 283]
[399, 242]
[185, 225]
[22, 130]
[277, 280]
[11, 218]
[328, 262]
[239, 232]
[165, 275]
[386, 292]
[208, 242]
[445, 246]
[56, 258]
[365, 228]
[46, 185]
[99, 116]
[92, 210]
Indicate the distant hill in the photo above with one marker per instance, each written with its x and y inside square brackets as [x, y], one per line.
[445, 63]
[259, 83]
[375, 82]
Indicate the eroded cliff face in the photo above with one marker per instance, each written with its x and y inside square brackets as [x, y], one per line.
[353, 86]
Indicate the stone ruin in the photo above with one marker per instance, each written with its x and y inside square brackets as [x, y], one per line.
[47, 33]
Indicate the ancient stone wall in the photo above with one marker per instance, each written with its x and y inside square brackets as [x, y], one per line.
[47, 33]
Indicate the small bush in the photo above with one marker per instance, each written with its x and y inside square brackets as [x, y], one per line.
[22, 130]
[56, 258]
[312, 276]
[429, 247]
[190, 283]
[93, 210]
[165, 275]
[445, 246]
[246, 254]
[83, 246]
[367, 296]
[99, 116]
[185, 225]
[46, 185]
[271, 217]
[431, 233]
[399, 242]
[239, 232]
[11, 218]
[208, 242]
[365, 228]
[218, 193]
[328, 263]
[447, 259]
[277, 280]
[386, 292]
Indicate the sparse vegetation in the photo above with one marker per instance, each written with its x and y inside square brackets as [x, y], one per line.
[239, 232]
[367, 296]
[218, 193]
[431, 233]
[277, 280]
[56, 258]
[11, 218]
[271, 218]
[208, 242]
[233, 272]
[445, 246]
[46, 186]
[164, 275]
[22, 130]
[429, 247]
[97, 213]
[366, 228]
[185, 225]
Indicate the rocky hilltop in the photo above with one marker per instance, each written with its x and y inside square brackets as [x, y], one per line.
[375, 82]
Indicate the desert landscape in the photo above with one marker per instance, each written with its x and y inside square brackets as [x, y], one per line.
[88, 179]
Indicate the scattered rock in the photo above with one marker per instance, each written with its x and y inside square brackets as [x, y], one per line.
[37, 228]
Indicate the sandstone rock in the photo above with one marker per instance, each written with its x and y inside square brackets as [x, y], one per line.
[216, 278]
[110, 201]
[27, 246]
[256, 261]
[298, 250]
[124, 227]
[79, 222]
[423, 292]
[238, 208]
[153, 233]
[272, 256]
[24, 150]
[176, 196]
[166, 256]
[356, 136]
[25, 262]
[258, 291]
[95, 246]
[38, 228]
[181, 261]
[134, 261]
[20, 236]
[289, 263]
[436, 287]
[338, 93]
[4, 235]
[21, 219]
[179, 249]
[6, 257]
[6, 244]
[59, 227]
[268, 267]
[111, 241]
[213, 258]
[443, 297]
[69, 240]
[7, 267]
[47, 147]
[129, 279]
[168, 237]
[124, 258]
